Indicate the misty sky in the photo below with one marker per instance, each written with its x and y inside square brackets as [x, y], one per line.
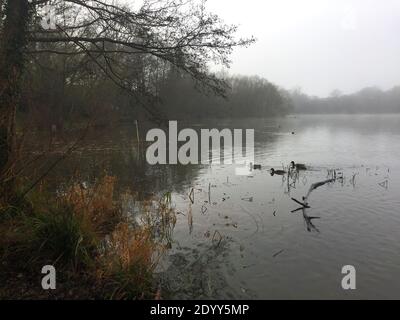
[318, 45]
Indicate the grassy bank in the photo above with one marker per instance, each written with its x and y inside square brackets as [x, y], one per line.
[99, 248]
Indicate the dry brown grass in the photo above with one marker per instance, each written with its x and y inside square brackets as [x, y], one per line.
[86, 230]
[134, 249]
[95, 204]
[128, 263]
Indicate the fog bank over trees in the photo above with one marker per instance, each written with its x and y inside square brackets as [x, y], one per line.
[245, 96]
[368, 100]
[76, 95]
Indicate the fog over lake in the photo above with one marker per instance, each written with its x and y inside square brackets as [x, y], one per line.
[243, 241]
[99, 201]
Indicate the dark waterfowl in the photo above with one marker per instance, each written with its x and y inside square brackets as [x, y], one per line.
[278, 172]
[298, 166]
[257, 167]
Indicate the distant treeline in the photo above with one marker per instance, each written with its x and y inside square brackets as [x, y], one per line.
[368, 100]
[64, 91]
[245, 97]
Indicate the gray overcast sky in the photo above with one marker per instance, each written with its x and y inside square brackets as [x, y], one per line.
[318, 45]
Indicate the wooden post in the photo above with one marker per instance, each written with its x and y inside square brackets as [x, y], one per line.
[137, 132]
[137, 138]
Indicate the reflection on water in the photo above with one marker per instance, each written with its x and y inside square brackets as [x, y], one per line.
[245, 237]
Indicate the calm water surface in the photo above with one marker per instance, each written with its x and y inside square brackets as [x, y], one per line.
[231, 247]
[267, 252]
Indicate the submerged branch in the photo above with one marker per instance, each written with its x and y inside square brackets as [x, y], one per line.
[315, 186]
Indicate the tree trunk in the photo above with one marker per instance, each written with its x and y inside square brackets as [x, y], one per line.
[13, 42]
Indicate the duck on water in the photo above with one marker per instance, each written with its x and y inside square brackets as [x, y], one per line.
[293, 166]
[277, 172]
[297, 166]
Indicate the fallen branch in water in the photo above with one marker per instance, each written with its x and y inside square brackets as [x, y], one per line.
[308, 221]
[304, 205]
[298, 209]
[315, 186]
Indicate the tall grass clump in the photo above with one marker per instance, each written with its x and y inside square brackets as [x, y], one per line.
[128, 263]
[84, 232]
[133, 251]
[60, 237]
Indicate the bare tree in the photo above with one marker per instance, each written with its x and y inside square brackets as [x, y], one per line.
[13, 42]
[179, 32]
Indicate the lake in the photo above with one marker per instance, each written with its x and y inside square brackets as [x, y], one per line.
[240, 239]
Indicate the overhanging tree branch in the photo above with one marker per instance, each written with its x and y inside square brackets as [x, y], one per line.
[181, 33]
